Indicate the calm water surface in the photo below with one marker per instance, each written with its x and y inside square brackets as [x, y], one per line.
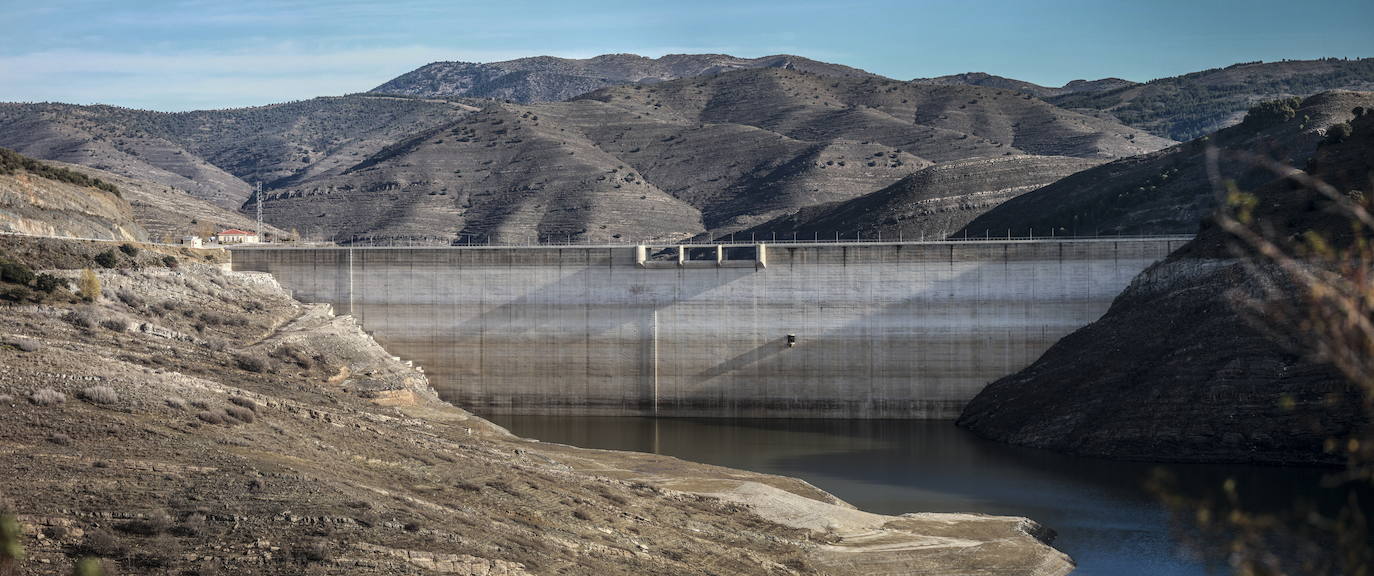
[1105, 516]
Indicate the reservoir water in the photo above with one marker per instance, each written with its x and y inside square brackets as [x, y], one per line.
[1105, 515]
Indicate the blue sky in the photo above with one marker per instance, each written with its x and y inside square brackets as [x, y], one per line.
[189, 54]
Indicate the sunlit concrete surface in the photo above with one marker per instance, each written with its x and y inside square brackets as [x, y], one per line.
[897, 330]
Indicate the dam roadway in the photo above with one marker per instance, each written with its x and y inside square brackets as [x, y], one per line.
[847, 330]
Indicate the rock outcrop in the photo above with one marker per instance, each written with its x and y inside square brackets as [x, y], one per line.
[1178, 369]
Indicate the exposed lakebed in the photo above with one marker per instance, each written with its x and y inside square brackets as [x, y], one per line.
[1106, 516]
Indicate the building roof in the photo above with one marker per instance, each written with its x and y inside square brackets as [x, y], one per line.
[236, 232]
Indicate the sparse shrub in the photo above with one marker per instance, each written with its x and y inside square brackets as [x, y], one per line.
[292, 354]
[47, 397]
[60, 439]
[48, 283]
[100, 395]
[83, 318]
[211, 416]
[581, 515]
[91, 567]
[412, 526]
[89, 285]
[154, 524]
[176, 403]
[200, 404]
[15, 272]
[244, 402]
[107, 259]
[56, 531]
[129, 250]
[1337, 133]
[317, 551]
[170, 261]
[104, 544]
[241, 414]
[24, 345]
[115, 324]
[6, 399]
[468, 486]
[251, 363]
[130, 299]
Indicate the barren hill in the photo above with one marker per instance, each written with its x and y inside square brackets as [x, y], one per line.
[673, 160]
[550, 79]
[213, 155]
[1178, 369]
[993, 81]
[932, 203]
[1188, 106]
[1167, 192]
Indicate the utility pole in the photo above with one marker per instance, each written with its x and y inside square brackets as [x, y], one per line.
[261, 237]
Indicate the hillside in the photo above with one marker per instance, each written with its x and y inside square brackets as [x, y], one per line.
[550, 79]
[214, 155]
[932, 203]
[681, 158]
[1167, 191]
[1185, 107]
[1175, 370]
[190, 421]
[168, 214]
[44, 199]
[993, 81]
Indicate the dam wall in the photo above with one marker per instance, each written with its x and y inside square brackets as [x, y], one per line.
[894, 330]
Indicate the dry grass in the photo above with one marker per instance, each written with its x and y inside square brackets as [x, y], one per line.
[47, 397]
[100, 395]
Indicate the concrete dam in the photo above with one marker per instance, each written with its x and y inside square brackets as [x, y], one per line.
[875, 330]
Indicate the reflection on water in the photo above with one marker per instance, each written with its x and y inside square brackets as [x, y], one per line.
[1105, 517]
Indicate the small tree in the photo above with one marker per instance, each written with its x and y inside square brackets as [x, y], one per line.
[89, 285]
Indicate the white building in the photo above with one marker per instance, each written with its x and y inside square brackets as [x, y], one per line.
[236, 236]
[192, 241]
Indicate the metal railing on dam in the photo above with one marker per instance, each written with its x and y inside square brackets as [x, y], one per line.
[850, 330]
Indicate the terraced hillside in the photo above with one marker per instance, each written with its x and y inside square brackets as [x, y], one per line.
[681, 158]
[550, 79]
[1168, 192]
[932, 203]
[213, 155]
[1192, 105]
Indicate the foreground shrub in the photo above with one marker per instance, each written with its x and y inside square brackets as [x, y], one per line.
[170, 261]
[176, 403]
[81, 318]
[47, 397]
[129, 249]
[100, 395]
